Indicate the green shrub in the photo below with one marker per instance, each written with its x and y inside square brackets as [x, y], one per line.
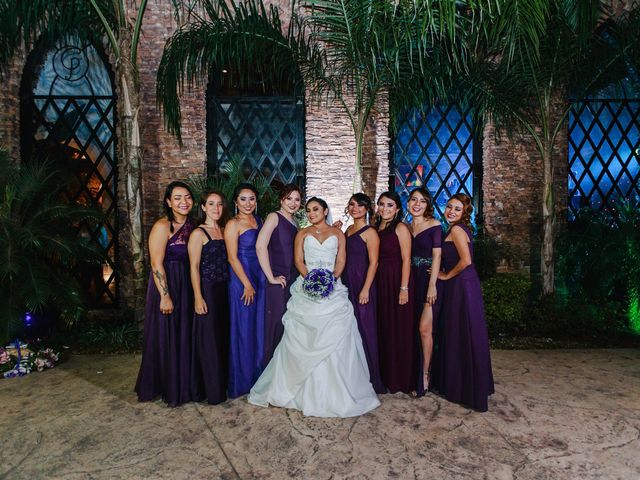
[506, 302]
[598, 270]
[39, 244]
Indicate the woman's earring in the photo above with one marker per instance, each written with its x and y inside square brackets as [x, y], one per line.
[235, 209]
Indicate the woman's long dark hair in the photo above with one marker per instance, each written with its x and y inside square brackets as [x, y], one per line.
[167, 196]
[391, 226]
[364, 201]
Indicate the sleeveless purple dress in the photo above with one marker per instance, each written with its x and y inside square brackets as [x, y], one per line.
[166, 356]
[281, 259]
[461, 367]
[210, 340]
[396, 323]
[353, 277]
[421, 257]
[247, 321]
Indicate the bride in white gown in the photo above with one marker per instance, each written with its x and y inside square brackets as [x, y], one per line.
[319, 366]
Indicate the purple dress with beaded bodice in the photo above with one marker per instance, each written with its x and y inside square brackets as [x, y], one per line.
[246, 351]
[281, 260]
[421, 257]
[210, 340]
[166, 356]
[461, 366]
[354, 276]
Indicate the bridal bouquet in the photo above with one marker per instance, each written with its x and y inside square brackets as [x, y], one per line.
[318, 283]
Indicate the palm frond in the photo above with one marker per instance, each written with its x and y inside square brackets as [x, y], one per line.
[23, 23]
[246, 39]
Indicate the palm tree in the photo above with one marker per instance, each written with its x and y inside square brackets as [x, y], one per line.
[102, 22]
[38, 244]
[529, 89]
[247, 40]
[358, 52]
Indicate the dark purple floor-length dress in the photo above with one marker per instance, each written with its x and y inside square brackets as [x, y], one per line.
[247, 321]
[461, 367]
[281, 261]
[354, 276]
[210, 340]
[166, 356]
[421, 258]
[396, 323]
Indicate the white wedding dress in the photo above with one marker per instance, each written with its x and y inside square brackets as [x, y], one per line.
[319, 366]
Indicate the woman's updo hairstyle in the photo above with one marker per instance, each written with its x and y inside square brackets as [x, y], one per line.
[320, 201]
[244, 186]
[167, 196]
[363, 200]
[283, 191]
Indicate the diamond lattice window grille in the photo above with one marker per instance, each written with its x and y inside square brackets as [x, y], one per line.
[68, 114]
[265, 133]
[604, 154]
[435, 150]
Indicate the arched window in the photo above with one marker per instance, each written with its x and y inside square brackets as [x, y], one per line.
[260, 126]
[437, 150]
[604, 150]
[68, 116]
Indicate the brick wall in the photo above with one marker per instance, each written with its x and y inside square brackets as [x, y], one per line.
[512, 186]
[512, 170]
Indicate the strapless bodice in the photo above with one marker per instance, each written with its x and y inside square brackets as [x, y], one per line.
[320, 254]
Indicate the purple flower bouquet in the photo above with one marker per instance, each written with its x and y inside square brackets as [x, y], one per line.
[318, 283]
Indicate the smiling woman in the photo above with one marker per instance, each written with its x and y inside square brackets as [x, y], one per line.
[168, 310]
[246, 292]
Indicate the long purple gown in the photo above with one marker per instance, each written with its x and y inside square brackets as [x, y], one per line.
[166, 356]
[396, 323]
[354, 276]
[281, 261]
[210, 340]
[247, 321]
[461, 367]
[421, 258]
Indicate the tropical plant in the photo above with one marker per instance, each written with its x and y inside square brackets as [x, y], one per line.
[358, 52]
[245, 39]
[227, 178]
[107, 23]
[599, 263]
[406, 54]
[527, 89]
[39, 244]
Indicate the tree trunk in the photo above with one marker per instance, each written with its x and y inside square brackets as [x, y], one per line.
[130, 170]
[548, 223]
[357, 179]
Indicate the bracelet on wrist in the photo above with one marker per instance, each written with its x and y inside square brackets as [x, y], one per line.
[404, 289]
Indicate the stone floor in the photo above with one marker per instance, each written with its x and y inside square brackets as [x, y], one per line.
[555, 415]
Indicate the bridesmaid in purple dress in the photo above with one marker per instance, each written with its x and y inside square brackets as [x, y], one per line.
[275, 253]
[461, 368]
[246, 293]
[425, 265]
[359, 277]
[209, 277]
[166, 356]
[396, 321]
